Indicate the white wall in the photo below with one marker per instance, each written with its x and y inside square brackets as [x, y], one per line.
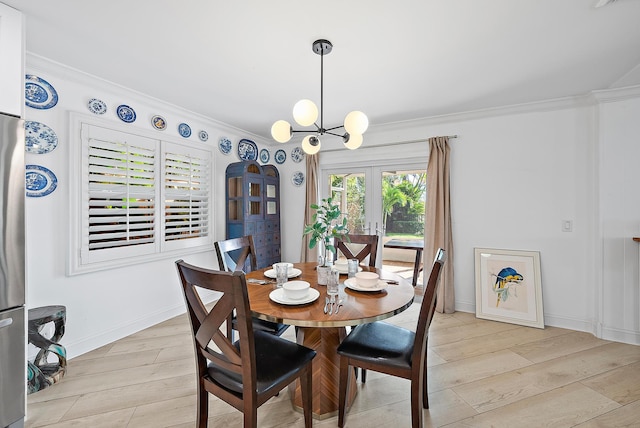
[619, 177]
[110, 304]
[516, 173]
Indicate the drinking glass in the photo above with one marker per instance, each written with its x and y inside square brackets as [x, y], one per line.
[281, 273]
[352, 267]
[333, 280]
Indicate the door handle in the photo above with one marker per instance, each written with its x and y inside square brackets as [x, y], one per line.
[6, 322]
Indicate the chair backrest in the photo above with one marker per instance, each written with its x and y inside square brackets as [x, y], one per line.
[428, 305]
[370, 248]
[237, 254]
[206, 324]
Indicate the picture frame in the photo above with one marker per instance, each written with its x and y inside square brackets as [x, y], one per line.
[508, 286]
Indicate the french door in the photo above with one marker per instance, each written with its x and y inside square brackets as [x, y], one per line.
[385, 200]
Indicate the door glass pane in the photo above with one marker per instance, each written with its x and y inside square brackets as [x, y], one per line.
[403, 205]
[348, 190]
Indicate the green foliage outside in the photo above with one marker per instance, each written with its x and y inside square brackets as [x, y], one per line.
[402, 204]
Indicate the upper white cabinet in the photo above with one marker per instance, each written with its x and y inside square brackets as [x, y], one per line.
[11, 61]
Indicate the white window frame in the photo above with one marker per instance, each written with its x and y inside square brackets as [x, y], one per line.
[183, 161]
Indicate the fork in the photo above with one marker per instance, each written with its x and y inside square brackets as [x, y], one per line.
[339, 304]
[331, 303]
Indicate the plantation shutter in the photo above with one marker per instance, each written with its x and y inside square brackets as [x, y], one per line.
[187, 177]
[135, 197]
[121, 194]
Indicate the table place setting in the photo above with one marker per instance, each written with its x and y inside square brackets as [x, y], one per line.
[366, 281]
[294, 293]
[347, 267]
[291, 271]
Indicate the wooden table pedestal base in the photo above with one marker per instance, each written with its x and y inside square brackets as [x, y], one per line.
[326, 371]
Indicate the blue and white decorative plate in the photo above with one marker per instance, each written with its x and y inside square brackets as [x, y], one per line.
[280, 156]
[247, 150]
[203, 135]
[264, 156]
[126, 113]
[38, 93]
[184, 130]
[297, 178]
[225, 145]
[297, 154]
[97, 106]
[39, 138]
[40, 181]
[159, 122]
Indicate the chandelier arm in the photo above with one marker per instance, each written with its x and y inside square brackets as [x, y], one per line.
[335, 127]
[307, 130]
[333, 133]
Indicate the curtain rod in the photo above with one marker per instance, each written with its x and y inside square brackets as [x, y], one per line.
[395, 143]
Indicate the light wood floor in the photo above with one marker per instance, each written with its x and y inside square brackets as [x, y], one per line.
[482, 374]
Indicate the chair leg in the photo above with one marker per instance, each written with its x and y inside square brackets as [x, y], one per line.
[344, 390]
[307, 396]
[203, 407]
[416, 403]
[363, 372]
[251, 417]
[425, 387]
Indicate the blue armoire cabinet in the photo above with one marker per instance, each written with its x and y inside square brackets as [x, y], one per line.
[253, 207]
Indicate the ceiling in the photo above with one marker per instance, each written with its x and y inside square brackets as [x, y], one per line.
[247, 62]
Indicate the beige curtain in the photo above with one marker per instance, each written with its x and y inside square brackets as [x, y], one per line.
[437, 231]
[312, 181]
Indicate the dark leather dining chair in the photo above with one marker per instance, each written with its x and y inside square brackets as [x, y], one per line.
[246, 373]
[370, 247]
[239, 254]
[393, 350]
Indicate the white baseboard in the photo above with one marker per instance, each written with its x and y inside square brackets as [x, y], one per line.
[99, 339]
[621, 335]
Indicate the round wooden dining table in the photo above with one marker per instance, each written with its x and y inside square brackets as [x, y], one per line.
[323, 332]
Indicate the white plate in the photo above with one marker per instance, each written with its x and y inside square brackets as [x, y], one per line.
[292, 273]
[277, 296]
[352, 284]
[345, 270]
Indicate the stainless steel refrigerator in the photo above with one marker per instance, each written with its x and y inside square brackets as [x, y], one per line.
[12, 273]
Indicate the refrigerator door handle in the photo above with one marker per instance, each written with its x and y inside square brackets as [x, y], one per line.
[6, 322]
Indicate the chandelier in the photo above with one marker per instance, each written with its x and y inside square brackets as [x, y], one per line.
[305, 113]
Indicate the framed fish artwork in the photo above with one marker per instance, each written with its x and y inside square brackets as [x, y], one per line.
[508, 286]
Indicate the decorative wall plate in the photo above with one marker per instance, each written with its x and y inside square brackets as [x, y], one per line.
[39, 138]
[97, 106]
[203, 135]
[264, 156]
[38, 93]
[159, 122]
[297, 178]
[126, 113]
[297, 154]
[247, 150]
[225, 145]
[280, 156]
[184, 130]
[40, 181]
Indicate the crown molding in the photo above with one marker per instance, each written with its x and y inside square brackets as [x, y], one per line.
[40, 63]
